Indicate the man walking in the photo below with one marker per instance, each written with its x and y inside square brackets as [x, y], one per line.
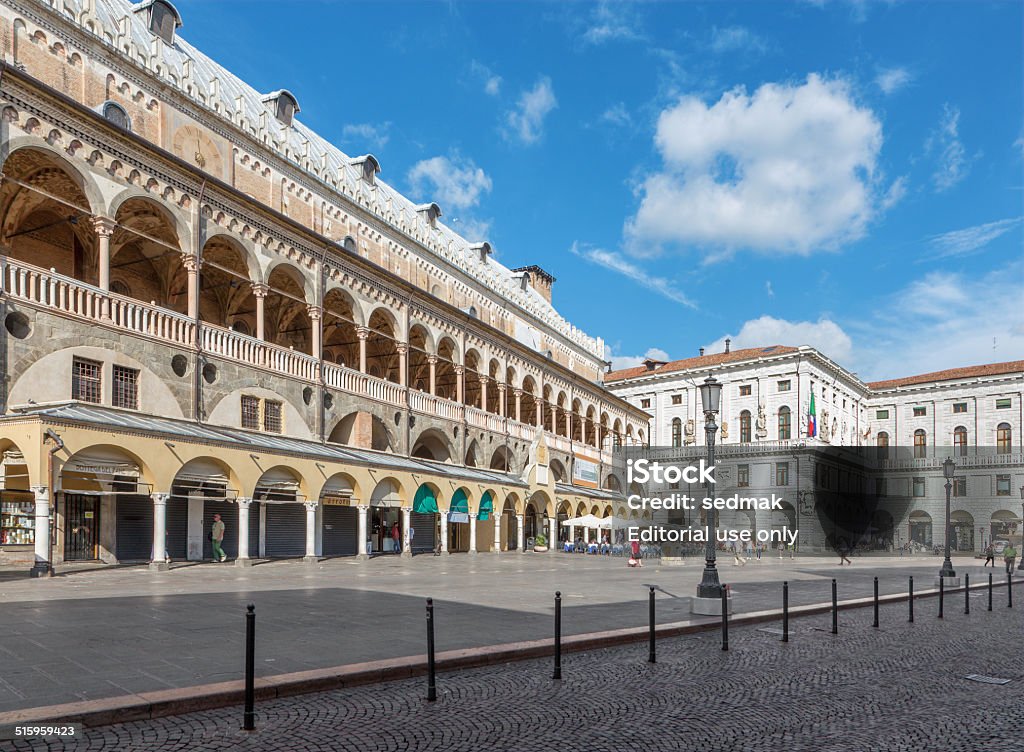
[1009, 557]
[990, 556]
[217, 538]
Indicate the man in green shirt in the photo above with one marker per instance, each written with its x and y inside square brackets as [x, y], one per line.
[1009, 556]
[217, 537]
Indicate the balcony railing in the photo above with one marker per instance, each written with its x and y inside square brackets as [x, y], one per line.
[428, 404]
[482, 419]
[354, 382]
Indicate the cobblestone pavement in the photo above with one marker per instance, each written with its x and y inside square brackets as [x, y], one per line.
[893, 689]
[112, 632]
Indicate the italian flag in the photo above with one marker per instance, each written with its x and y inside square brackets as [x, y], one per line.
[812, 419]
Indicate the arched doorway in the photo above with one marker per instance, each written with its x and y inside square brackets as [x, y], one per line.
[921, 528]
[385, 512]
[509, 526]
[282, 514]
[339, 520]
[1004, 525]
[961, 525]
[485, 522]
[458, 521]
[424, 518]
[200, 483]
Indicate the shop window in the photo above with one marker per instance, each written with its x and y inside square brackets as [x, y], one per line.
[86, 380]
[126, 387]
[17, 519]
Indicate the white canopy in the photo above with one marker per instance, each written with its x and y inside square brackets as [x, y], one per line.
[587, 520]
[617, 523]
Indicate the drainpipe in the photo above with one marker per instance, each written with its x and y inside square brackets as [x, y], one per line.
[58, 445]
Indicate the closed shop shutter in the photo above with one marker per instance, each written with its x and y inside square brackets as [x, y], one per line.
[134, 528]
[286, 530]
[177, 527]
[228, 512]
[425, 526]
[254, 530]
[341, 531]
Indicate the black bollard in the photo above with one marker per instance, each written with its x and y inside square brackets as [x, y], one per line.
[249, 716]
[942, 594]
[835, 608]
[1009, 590]
[558, 635]
[911, 599]
[725, 617]
[876, 603]
[785, 611]
[431, 684]
[650, 656]
[989, 591]
[967, 593]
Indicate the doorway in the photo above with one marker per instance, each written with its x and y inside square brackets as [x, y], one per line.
[82, 527]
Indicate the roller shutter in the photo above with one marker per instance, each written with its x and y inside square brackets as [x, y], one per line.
[229, 516]
[286, 530]
[425, 526]
[177, 528]
[341, 531]
[134, 540]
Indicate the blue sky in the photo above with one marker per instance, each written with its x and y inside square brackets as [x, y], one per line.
[848, 175]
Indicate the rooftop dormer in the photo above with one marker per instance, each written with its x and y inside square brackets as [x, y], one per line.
[162, 16]
[429, 212]
[483, 249]
[283, 104]
[368, 167]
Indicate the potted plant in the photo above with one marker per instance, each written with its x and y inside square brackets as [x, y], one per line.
[540, 543]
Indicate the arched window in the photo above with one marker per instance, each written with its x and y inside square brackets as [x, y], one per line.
[677, 432]
[117, 115]
[785, 425]
[883, 445]
[1004, 437]
[745, 427]
[960, 441]
[120, 288]
[920, 443]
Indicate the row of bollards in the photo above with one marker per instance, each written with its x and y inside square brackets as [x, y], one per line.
[249, 715]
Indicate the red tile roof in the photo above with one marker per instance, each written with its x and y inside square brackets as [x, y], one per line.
[703, 361]
[970, 372]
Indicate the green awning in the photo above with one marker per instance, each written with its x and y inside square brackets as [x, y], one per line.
[459, 502]
[486, 507]
[425, 502]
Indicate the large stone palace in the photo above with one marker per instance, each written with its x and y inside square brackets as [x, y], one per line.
[789, 416]
[209, 309]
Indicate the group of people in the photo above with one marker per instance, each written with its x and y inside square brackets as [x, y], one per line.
[1009, 557]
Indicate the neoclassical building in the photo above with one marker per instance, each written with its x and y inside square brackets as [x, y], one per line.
[912, 424]
[209, 309]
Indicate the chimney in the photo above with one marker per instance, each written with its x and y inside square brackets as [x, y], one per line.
[538, 279]
[727, 343]
[702, 352]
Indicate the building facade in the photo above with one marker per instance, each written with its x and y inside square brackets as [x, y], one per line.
[208, 308]
[769, 433]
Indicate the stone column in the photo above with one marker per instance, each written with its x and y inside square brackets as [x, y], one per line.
[501, 400]
[104, 228]
[497, 532]
[311, 556]
[432, 360]
[42, 566]
[406, 527]
[568, 424]
[518, 394]
[572, 534]
[243, 560]
[363, 554]
[554, 419]
[460, 382]
[553, 533]
[191, 264]
[539, 404]
[472, 533]
[159, 561]
[520, 533]
[444, 533]
[483, 393]
[260, 293]
[316, 324]
[403, 363]
[363, 334]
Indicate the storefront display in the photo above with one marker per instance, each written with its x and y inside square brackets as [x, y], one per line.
[17, 520]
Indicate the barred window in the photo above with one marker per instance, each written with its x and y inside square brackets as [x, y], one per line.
[86, 380]
[959, 407]
[677, 399]
[745, 427]
[743, 476]
[250, 412]
[271, 416]
[785, 424]
[126, 387]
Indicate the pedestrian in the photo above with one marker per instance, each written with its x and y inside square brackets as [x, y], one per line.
[411, 534]
[217, 538]
[844, 549]
[759, 548]
[990, 556]
[634, 556]
[1009, 557]
[396, 536]
[737, 559]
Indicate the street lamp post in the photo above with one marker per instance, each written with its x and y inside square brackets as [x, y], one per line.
[1020, 553]
[710, 397]
[948, 468]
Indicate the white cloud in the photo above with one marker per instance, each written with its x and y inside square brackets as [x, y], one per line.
[945, 320]
[632, 361]
[823, 334]
[891, 80]
[768, 289]
[367, 136]
[736, 39]
[952, 165]
[526, 122]
[453, 182]
[970, 239]
[789, 169]
[492, 85]
[491, 80]
[615, 262]
[609, 22]
[617, 115]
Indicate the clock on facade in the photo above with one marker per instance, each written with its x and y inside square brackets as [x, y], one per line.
[193, 145]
